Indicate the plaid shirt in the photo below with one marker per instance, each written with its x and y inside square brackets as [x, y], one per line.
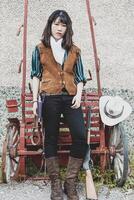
[37, 67]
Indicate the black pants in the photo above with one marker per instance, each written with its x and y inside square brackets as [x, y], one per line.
[53, 107]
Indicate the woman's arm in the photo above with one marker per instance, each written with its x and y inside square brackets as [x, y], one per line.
[79, 89]
[80, 81]
[36, 73]
[36, 83]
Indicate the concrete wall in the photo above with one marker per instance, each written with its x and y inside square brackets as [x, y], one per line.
[114, 39]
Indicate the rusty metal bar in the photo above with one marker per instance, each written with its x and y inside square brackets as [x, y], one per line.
[33, 153]
[96, 59]
[24, 59]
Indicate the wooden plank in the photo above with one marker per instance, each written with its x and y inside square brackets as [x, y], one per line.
[95, 124]
[90, 98]
[90, 93]
[28, 112]
[29, 126]
[95, 139]
[29, 120]
[94, 132]
[29, 98]
[12, 105]
[29, 95]
[28, 105]
[94, 118]
[90, 103]
[95, 110]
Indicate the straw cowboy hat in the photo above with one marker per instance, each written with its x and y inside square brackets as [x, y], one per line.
[113, 110]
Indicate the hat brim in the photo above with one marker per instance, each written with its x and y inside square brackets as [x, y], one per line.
[113, 121]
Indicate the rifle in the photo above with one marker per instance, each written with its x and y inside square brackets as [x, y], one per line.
[87, 164]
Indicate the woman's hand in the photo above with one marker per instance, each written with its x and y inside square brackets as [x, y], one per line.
[76, 101]
[77, 98]
[36, 83]
[35, 108]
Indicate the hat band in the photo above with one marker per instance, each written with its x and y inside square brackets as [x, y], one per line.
[112, 116]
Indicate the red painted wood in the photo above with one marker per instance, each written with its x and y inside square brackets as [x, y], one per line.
[28, 95]
[28, 105]
[94, 139]
[28, 112]
[28, 126]
[12, 105]
[95, 110]
[90, 98]
[95, 118]
[28, 98]
[95, 124]
[94, 132]
[94, 103]
[29, 120]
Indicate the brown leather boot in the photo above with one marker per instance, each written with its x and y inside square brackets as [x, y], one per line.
[53, 171]
[73, 168]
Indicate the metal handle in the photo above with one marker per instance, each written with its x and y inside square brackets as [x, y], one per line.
[19, 30]
[30, 87]
[90, 75]
[20, 65]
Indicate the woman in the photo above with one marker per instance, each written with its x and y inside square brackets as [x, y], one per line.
[57, 74]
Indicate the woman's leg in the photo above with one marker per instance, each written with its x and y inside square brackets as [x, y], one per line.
[51, 116]
[75, 121]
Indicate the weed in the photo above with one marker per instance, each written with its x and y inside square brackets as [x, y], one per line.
[105, 178]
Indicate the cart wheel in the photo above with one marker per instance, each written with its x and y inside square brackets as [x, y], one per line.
[10, 159]
[119, 153]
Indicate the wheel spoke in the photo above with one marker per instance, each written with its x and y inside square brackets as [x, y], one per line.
[14, 160]
[120, 159]
[119, 166]
[8, 168]
[10, 157]
[14, 164]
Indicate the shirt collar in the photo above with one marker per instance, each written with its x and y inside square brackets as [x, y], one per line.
[57, 49]
[56, 43]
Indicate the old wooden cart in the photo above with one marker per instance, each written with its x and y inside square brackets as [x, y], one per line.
[23, 140]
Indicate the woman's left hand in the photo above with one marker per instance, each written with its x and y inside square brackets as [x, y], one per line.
[76, 101]
[77, 98]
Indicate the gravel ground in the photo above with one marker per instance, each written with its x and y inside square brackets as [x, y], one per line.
[30, 190]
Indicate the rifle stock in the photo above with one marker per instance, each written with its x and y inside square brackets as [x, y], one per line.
[90, 188]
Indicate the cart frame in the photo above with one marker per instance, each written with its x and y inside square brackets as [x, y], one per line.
[24, 140]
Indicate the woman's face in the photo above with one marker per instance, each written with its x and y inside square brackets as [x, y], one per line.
[58, 29]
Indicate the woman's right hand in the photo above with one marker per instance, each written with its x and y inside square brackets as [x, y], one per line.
[35, 108]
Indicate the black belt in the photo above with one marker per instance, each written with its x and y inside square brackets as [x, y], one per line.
[63, 92]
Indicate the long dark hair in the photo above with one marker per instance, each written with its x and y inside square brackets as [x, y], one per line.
[63, 18]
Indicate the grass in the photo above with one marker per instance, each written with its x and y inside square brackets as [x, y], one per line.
[130, 180]
[108, 176]
[105, 178]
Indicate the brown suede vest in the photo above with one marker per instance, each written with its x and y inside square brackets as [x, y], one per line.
[54, 78]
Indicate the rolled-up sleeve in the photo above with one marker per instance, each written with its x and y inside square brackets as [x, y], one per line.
[79, 71]
[36, 67]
